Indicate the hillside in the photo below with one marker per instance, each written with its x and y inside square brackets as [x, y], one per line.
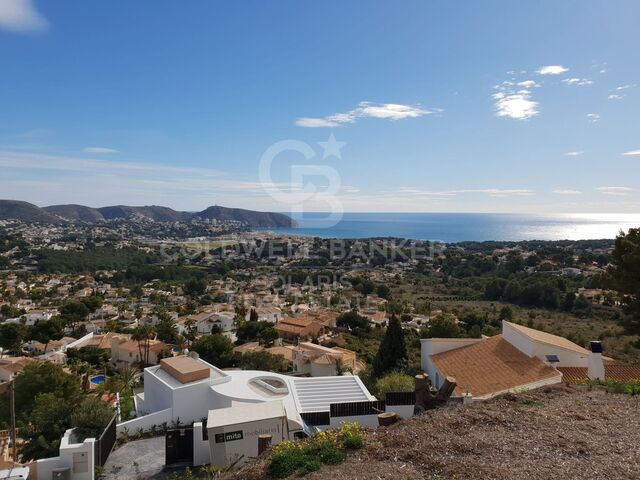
[256, 219]
[27, 212]
[56, 214]
[556, 432]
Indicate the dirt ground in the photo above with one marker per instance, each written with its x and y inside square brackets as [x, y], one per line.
[557, 432]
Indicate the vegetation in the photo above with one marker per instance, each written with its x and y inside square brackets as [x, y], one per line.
[215, 349]
[328, 447]
[625, 276]
[392, 354]
[90, 260]
[263, 360]
[394, 382]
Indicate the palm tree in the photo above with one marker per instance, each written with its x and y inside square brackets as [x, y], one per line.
[143, 334]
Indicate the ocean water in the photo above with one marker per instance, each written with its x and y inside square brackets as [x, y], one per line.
[459, 227]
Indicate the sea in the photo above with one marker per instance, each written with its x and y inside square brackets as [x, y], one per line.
[461, 227]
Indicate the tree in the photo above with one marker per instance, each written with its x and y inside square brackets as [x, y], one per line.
[353, 321]
[195, 287]
[12, 336]
[624, 276]
[383, 291]
[49, 419]
[392, 354]
[441, 326]
[167, 331]
[253, 315]
[143, 334]
[90, 418]
[93, 302]
[73, 312]
[263, 360]
[45, 331]
[44, 377]
[506, 313]
[190, 331]
[215, 349]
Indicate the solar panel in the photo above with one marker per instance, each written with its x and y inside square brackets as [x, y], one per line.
[552, 358]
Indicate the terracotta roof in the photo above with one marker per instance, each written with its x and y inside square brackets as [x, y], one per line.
[247, 347]
[490, 367]
[549, 339]
[622, 373]
[286, 352]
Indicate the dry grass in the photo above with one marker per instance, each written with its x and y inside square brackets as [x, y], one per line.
[557, 432]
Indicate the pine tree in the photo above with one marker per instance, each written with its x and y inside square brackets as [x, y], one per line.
[392, 354]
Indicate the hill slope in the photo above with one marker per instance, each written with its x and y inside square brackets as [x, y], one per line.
[27, 212]
[556, 432]
[56, 214]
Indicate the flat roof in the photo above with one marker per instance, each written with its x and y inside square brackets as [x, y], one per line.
[158, 372]
[316, 394]
[185, 369]
[244, 413]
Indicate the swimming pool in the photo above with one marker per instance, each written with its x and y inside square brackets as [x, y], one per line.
[97, 379]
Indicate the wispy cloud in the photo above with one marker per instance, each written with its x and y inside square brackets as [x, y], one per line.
[386, 111]
[573, 154]
[567, 192]
[492, 192]
[593, 117]
[614, 190]
[577, 81]
[99, 150]
[615, 96]
[632, 153]
[21, 16]
[552, 70]
[513, 102]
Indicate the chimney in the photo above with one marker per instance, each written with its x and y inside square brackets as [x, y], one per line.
[596, 367]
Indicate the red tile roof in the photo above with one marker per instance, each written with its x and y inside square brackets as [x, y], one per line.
[491, 366]
[622, 373]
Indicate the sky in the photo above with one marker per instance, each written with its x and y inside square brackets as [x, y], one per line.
[413, 106]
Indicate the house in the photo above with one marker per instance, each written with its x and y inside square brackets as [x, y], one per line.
[293, 328]
[207, 322]
[265, 314]
[519, 358]
[125, 352]
[318, 361]
[34, 316]
[376, 317]
[11, 366]
[188, 388]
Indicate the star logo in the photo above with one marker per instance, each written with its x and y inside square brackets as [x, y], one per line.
[332, 147]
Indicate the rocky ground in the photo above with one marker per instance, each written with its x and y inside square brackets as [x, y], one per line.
[556, 432]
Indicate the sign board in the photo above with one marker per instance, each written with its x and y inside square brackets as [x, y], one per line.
[229, 436]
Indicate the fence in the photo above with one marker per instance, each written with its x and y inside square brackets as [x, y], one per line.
[400, 398]
[105, 443]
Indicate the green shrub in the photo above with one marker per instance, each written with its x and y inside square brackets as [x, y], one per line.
[394, 382]
[305, 456]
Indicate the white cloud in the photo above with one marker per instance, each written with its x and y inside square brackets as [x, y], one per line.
[100, 150]
[573, 153]
[614, 190]
[386, 111]
[615, 96]
[624, 87]
[632, 153]
[593, 117]
[577, 81]
[552, 70]
[21, 16]
[567, 192]
[517, 105]
[528, 84]
[492, 192]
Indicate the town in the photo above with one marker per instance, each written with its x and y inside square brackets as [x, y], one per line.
[109, 337]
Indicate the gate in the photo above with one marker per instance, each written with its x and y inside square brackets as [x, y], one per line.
[105, 443]
[179, 446]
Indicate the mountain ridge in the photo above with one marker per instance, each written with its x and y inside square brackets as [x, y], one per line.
[74, 213]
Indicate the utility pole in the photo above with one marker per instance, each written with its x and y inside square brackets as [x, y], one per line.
[12, 400]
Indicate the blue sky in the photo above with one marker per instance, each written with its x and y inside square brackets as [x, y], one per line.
[495, 106]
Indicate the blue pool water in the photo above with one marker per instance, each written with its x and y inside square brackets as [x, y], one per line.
[97, 379]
